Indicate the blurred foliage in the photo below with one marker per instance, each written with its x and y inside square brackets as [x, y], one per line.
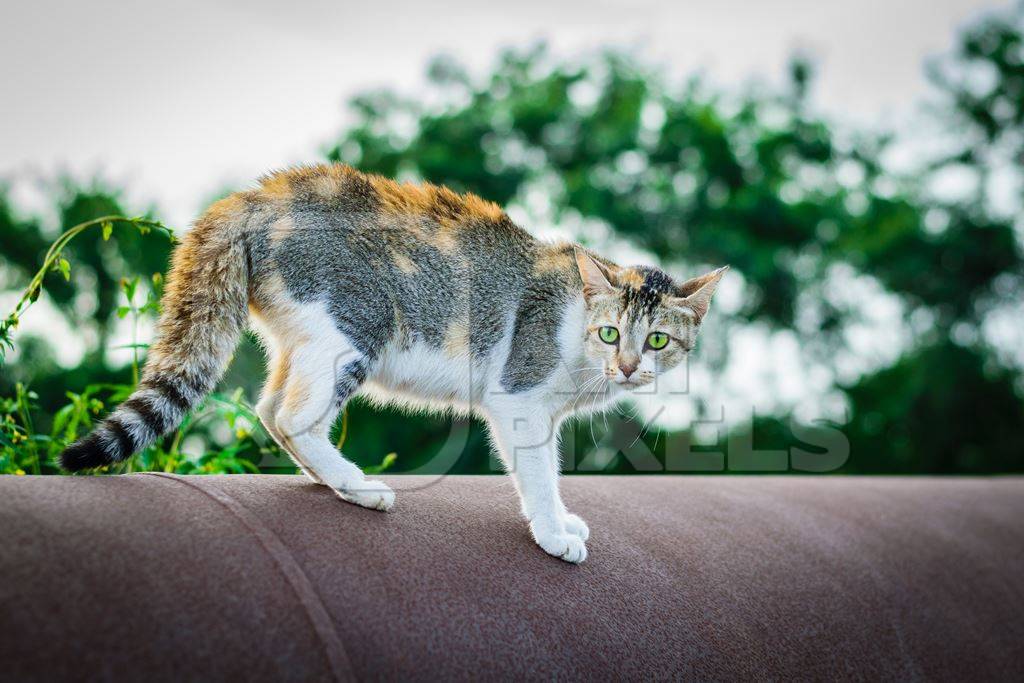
[29, 445]
[695, 177]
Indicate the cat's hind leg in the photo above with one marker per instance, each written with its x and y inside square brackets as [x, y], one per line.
[270, 402]
[322, 375]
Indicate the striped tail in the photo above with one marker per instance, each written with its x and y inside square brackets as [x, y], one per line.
[205, 308]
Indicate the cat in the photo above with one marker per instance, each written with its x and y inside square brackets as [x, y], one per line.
[411, 294]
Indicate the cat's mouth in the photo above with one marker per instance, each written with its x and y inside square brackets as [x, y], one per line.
[633, 383]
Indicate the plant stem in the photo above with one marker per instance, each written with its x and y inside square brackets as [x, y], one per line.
[36, 283]
[344, 428]
[135, 343]
[26, 419]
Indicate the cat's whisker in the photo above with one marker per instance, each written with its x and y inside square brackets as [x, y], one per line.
[639, 433]
[572, 373]
[646, 429]
[585, 390]
[657, 437]
[585, 387]
[581, 392]
[592, 436]
[592, 397]
[591, 378]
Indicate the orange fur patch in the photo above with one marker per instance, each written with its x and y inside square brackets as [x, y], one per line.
[296, 395]
[630, 278]
[404, 263]
[450, 210]
[445, 239]
[270, 301]
[328, 181]
[456, 339]
[277, 187]
[553, 259]
[279, 372]
[230, 208]
[281, 228]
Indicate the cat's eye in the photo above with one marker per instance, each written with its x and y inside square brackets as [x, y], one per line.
[608, 334]
[657, 340]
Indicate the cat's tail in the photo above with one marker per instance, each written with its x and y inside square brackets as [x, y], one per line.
[205, 307]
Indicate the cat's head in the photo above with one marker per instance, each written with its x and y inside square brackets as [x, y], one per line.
[640, 323]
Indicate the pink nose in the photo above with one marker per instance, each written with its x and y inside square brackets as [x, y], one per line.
[627, 370]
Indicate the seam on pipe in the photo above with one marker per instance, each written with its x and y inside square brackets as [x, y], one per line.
[323, 625]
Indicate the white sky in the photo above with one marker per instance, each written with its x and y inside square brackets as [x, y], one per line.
[177, 100]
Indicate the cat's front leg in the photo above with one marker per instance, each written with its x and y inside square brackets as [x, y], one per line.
[527, 443]
[575, 525]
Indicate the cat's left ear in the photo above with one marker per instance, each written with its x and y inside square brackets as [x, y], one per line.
[696, 293]
[597, 279]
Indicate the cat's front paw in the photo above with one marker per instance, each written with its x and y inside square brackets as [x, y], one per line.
[375, 495]
[561, 544]
[576, 526]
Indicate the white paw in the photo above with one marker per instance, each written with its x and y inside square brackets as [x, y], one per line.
[576, 526]
[564, 546]
[375, 495]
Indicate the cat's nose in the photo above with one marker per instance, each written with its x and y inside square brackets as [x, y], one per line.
[627, 369]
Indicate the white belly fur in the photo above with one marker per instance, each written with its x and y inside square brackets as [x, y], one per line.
[426, 378]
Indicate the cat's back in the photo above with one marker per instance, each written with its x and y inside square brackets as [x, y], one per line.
[331, 202]
[373, 246]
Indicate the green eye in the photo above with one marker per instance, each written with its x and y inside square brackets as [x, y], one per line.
[657, 340]
[609, 335]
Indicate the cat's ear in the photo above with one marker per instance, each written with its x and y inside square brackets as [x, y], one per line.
[696, 293]
[597, 279]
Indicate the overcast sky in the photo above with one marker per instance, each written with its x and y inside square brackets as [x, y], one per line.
[176, 100]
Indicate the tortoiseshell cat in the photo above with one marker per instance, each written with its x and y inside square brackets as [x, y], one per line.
[412, 294]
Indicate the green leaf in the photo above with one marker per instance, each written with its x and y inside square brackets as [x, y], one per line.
[60, 418]
[108, 229]
[387, 462]
[129, 286]
[250, 466]
[123, 311]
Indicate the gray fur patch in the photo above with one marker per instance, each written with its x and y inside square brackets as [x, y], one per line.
[534, 354]
[349, 379]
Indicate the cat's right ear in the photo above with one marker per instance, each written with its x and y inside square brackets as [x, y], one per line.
[696, 293]
[597, 279]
